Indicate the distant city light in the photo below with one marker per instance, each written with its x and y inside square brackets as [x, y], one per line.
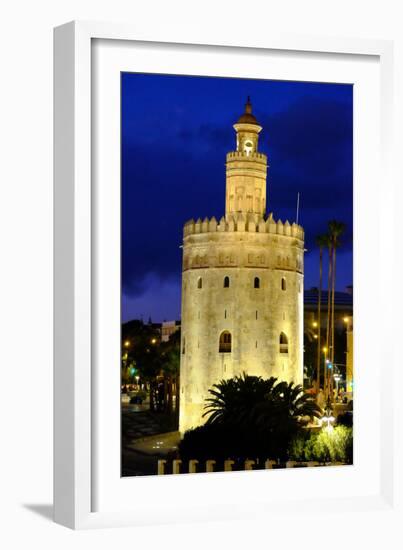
[127, 343]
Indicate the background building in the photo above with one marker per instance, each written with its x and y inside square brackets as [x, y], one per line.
[343, 322]
[242, 285]
[168, 328]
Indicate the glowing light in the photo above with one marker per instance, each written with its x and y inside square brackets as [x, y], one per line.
[314, 324]
[328, 417]
[345, 319]
[315, 336]
[127, 343]
[153, 340]
[325, 349]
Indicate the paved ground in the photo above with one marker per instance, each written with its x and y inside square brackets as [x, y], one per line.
[146, 437]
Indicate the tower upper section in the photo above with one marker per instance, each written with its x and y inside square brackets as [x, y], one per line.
[246, 168]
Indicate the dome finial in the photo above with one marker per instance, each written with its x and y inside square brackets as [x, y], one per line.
[247, 117]
[248, 105]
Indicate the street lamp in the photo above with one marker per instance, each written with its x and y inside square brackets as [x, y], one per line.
[328, 418]
[337, 379]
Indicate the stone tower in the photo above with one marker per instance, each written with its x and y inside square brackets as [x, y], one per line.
[242, 285]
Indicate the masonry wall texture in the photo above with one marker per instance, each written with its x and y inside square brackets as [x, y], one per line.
[242, 286]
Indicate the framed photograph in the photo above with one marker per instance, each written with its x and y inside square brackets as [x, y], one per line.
[220, 209]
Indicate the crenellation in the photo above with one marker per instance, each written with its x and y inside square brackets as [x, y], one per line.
[213, 224]
[238, 223]
[222, 226]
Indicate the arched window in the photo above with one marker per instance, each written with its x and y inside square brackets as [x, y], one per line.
[283, 284]
[199, 283]
[283, 343]
[256, 283]
[225, 342]
[226, 282]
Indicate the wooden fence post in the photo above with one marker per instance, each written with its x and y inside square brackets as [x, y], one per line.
[228, 465]
[249, 464]
[176, 466]
[161, 467]
[193, 466]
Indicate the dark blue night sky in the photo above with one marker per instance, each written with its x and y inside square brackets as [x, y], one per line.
[176, 131]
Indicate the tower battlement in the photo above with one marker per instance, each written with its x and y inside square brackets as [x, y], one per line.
[242, 155]
[239, 223]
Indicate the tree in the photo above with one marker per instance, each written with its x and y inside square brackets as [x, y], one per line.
[170, 366]
[322, 242]
[233, 400]
[140, 350]
[336, 229]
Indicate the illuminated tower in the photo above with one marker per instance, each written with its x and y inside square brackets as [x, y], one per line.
[242, 285]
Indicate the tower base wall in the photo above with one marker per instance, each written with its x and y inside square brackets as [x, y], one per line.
[191, 416]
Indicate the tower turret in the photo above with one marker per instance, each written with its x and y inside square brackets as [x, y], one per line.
[246, 168]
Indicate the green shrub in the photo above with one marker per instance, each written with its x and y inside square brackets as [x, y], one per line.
[324, 446]
[298, 447]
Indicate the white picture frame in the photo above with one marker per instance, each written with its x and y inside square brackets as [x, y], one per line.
[77, 470]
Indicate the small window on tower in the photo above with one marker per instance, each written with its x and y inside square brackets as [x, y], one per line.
[256, 283]
[226, 282]
[199, 283]
[283, 284]
[183, 346]
[283, 343]
[225, 342]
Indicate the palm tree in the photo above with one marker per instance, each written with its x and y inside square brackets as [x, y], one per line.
[249, 416]
[329, 312]
[322, 242]
[266, 404]
[286, 411]
[336, 229]
[233, 399]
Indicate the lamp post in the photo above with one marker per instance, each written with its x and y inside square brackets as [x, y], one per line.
[337, 379]
[328, 418]
[325, 373]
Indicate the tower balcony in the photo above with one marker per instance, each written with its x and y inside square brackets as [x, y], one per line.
[243, 156]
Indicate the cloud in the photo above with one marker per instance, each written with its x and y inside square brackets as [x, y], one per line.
[172, 176]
